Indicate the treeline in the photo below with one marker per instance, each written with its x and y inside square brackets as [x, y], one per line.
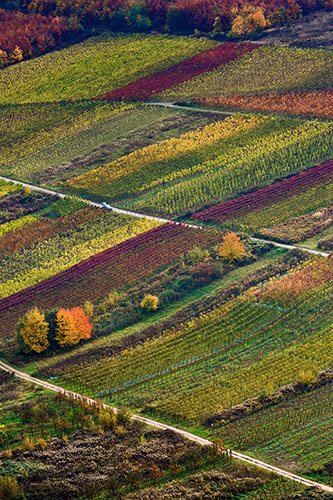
[26, 35]
[31, 27]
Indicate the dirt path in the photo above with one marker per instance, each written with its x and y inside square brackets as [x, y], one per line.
[193, 108]
[150, 217]
[159, 425]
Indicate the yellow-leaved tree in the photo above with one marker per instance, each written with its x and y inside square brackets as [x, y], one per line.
[150, 302]
[32, 331]
[232, 248]
[16, 55]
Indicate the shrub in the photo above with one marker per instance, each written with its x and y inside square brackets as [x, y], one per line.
[27, 444]
[123, 417]
[88, 308]
[9, 488]
[120, 430]
[150, 302]
[203, 273]
[196, 255]
[41, 444]
[232, 248]
[107, 419]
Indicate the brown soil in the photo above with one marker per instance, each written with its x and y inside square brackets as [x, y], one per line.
[314, 30]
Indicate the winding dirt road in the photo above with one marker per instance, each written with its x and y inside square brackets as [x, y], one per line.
[149, 217]
[159, 425]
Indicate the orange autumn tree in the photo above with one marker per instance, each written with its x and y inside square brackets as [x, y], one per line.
[232, 248]
[73, 325]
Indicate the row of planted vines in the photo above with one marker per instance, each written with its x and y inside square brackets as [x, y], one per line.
[115, 268]
[41, 249]
[309, 104]
[95, 66]
[183, 174]
[271, 155]
[289, 211]
[35, 137]
[145, 87]
[274, 433]
[266, 70]
[257, 341]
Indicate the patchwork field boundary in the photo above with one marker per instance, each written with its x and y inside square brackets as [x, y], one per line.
[181, 72]
[151, 217]
[159, 425]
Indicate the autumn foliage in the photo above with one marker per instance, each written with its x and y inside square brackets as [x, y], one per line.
[33, 331]
[73, 325]
[232, 248]
[314, 103]
[27, 35]
[38, 25]
[150, 302]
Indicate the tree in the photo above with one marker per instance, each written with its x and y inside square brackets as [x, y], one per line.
[9, 488]
[248, 20]
[3, 58]
[150, 302]
[16, 55]
[32, 331]
[232, 248]
[72, 326]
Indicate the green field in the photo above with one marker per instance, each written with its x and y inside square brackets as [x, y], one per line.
[176, 176]
[63, 244]
[247, 347]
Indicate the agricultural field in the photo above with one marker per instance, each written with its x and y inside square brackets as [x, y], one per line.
[289, 211]
[268, 69]
[93, 67]
[59, 236]
[70, 138]
[275, 429]
[86, 255]
[178, 176]
[51, 455]
[180, 302]
[247, 347]
[308, 104]
[146, 87]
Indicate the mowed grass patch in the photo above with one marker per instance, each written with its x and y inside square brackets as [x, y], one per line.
[95, 66]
